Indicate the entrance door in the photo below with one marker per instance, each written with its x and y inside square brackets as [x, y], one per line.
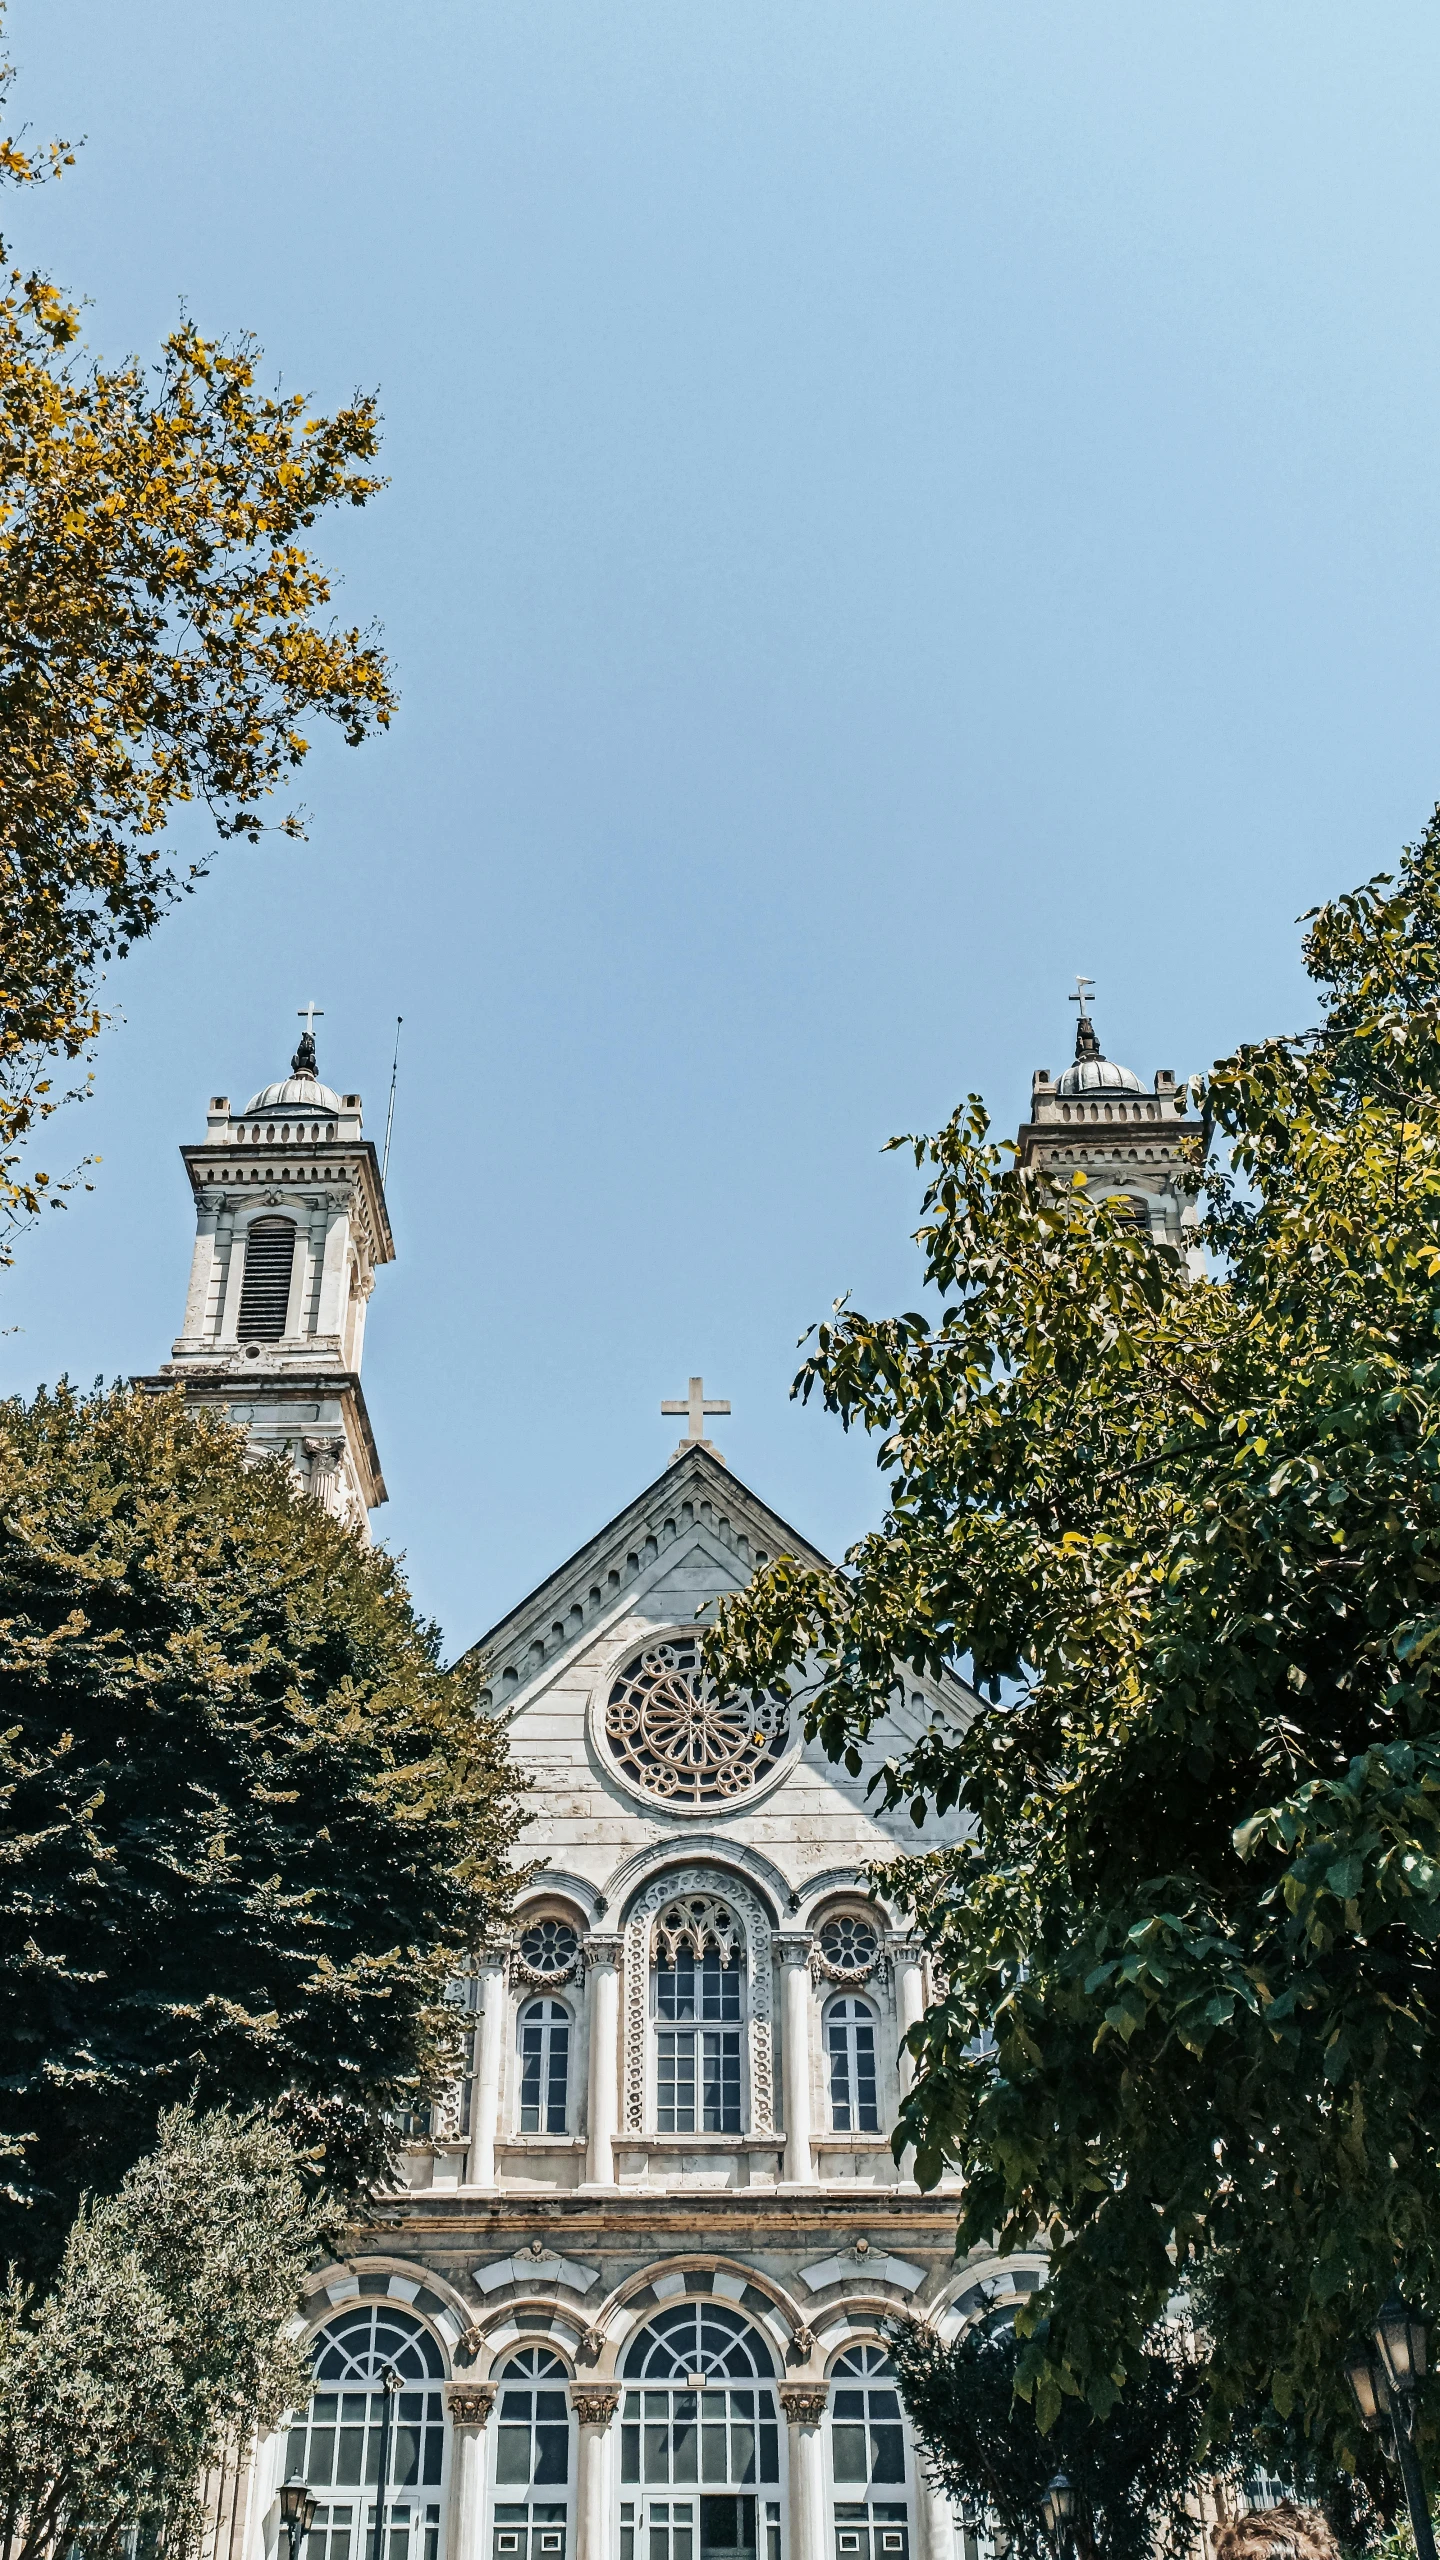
[727, 2529]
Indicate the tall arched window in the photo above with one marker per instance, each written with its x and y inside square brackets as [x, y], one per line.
[850, 2052]
[699, 1979]
[335, 2443]
[532, 2459]
[265, 1290]
[867, 2458]
[544, 2067]
[699, 2439]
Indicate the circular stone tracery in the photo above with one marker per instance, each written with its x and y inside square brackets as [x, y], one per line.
[672, 1735]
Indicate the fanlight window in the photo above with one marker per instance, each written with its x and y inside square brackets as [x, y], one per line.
[549, 1947]
[532, 2458]
[673, 1735]
[335, 2444]
[544, 2066]
[699, 2006]
[850, 2053]
[867, 2434]
[265, 1291]
[698, 2406]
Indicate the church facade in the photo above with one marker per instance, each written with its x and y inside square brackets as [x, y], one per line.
[628, 2299]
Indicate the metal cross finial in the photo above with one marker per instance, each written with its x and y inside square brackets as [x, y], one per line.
[307, 1015]
[1084, 987]
[697, 1406]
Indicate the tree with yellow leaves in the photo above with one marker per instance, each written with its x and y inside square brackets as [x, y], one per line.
[163, 639]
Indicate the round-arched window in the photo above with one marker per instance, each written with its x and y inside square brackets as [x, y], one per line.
[867, 2432]
[544, 2066]
[699, 2407]
[335, 2443]
[850, 2060]
[673, 1736]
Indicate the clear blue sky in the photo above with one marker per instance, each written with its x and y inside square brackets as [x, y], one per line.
[891, 505]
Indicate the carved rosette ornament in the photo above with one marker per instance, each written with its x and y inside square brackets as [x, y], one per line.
[846, 1952]
[804, 2403]
[470, 2403]
[593, 2406]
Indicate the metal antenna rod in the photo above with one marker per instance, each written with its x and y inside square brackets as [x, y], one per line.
[390, 1114]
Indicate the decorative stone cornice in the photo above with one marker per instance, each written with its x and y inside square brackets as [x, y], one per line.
[804, 2403]
[470, 2403]
[594, 2404]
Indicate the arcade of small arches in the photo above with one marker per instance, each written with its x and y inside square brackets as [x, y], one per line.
[601, 2043]
[692, 2431]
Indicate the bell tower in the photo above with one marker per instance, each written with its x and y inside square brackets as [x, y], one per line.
[290, 1228]
[1127, 1138]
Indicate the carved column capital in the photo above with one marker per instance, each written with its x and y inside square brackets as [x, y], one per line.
[603, 1946]
[594, 2404]
[792, 1946]
[470, 2403]
[804, 2403]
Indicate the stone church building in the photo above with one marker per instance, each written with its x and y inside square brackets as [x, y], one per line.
[627, 2302]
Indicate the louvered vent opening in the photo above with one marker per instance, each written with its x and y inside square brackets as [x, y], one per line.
[265, 1297]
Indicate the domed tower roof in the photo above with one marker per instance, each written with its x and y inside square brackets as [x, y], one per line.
[1092, 1071]
[302, 1089]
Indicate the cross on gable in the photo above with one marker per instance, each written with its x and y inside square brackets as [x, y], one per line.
[696, 1406]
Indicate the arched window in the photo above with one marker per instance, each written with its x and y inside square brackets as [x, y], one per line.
[532, 2458]
[544, 2066]
[335, 2444]
[699, 2439]
[850, 2052]
[699, 1978]
[265, 1291]
[867, 2458]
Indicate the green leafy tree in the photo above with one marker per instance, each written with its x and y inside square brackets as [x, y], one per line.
[162, 2344]
[250, 1821]
[1137, 2474]
[163, 639]
[1188, 1535]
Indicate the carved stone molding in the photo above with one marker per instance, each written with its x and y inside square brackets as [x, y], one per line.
[801, 2347]
[591, 2346]
[804, 2403]
[470, 2403]
[594, 2405]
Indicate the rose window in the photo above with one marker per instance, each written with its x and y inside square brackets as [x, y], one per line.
[848, 1948]
[548, 1949]
[674, 1736]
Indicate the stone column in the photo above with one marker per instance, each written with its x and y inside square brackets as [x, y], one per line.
[469, 2405]
[793, 1948]
[935, 2516]
[489, 2057]
[594, 2405]
[603, 1954]
[910, 1977]
[804, 2404]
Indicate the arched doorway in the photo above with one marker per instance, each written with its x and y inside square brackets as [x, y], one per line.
[335, 2442]
[699, 2439]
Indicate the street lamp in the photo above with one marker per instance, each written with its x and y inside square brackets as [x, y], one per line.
[390, 2384]
[1385, 2372]
[297, 2514]
[1059, 2510]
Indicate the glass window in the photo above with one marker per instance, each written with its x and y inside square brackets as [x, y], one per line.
[699, 2006]
[533, 2436]
[850, 2051]
[697, 2406]
[544, 2067]
[334, 2444]
[867, 2432]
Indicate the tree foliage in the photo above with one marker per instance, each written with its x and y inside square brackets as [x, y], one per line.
[250, 1822]
[163, 2343]
[1188, 1533]
[163, 639]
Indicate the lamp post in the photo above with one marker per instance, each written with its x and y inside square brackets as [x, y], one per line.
[297, 2514]
[390, 2384]
[1385, 2372]
[1059, 2512]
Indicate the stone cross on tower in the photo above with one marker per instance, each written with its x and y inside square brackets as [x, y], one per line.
[696, 1406]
